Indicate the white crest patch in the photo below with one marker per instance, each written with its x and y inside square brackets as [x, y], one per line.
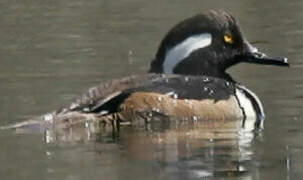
[182, 50]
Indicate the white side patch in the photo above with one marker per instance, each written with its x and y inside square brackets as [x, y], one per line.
[251, 114]
[248, 109]
[255, 97]
[181, 51]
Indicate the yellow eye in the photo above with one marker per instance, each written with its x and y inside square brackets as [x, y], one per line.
[228, 39]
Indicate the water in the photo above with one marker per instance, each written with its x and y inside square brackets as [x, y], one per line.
[52, 51]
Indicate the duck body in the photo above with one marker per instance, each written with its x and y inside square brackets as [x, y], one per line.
[183, 97]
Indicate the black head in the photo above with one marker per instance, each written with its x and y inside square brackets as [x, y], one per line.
[206, 44]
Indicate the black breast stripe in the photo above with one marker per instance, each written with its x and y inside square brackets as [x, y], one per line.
[256, 105]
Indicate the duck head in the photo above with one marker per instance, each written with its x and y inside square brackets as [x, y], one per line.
[207, 44]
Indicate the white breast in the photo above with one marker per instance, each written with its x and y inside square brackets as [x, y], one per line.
[250, 112]
[182, 50]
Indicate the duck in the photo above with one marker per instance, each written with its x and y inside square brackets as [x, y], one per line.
[187, 80]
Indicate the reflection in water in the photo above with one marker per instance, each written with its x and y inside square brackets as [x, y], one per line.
[182, 149]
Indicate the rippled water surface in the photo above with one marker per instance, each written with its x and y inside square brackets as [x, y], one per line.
[52, 51]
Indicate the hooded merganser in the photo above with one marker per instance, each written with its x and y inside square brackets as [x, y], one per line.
[187, 79]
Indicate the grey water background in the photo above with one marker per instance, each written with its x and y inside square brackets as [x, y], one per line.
[52, 51]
